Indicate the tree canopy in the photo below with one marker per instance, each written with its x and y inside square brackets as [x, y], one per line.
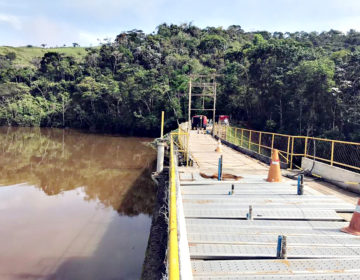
[297, 83]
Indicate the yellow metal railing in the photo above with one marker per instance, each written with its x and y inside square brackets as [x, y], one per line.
[181, 140]
[334, 152]
[173, 255]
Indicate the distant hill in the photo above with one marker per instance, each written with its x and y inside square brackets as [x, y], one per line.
[24, 55]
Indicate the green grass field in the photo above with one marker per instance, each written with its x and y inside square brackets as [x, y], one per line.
[24, 55]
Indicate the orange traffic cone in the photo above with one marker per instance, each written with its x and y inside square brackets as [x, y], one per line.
[274, 171]
[354, 227]
[218, 148]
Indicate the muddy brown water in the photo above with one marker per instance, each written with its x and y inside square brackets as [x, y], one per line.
[73, 205]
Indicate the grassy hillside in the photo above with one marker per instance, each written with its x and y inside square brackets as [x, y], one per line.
[24, 55]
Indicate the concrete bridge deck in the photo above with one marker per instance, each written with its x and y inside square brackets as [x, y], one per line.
[223, 244]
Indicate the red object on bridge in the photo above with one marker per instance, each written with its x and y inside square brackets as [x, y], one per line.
[354, 227]
[222, 119]
[199, 121]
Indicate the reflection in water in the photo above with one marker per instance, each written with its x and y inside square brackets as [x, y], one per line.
[71, 228]
[114, 170]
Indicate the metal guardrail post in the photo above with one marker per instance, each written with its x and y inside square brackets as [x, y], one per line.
[281, 247]
[250, 140]
[187, 148]
[242, 137]
[260, 143]
[232, 189]
[249, 215]
[272, 141]
[300, 185]
[288, 150]
[305, 148]
[332, 153]
[220, 168]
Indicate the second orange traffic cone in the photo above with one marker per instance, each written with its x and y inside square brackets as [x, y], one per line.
[274, 171]
[354, 227]
[218, 148]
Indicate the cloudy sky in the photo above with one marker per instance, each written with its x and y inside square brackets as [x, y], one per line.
[58, 22]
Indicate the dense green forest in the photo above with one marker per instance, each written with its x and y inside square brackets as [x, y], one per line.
[297, 83]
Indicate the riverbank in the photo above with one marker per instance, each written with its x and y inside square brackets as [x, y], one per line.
[154, 266]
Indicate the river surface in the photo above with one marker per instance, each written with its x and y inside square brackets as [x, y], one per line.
[73, 205]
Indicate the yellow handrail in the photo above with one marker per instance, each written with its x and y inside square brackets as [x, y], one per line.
[173, 257]
[337, 151]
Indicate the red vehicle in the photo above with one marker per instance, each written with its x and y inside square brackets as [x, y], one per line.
[199, 121]
[222, 119]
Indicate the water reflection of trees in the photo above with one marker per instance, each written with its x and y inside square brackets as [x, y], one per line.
[114, 170]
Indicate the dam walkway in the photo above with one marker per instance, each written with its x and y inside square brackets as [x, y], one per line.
[218, 239]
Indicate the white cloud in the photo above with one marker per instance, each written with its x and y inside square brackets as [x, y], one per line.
[88, 38]
[43, 30]
[40, 30]
[84, 21]
[13, 4]
[14, 21]
[345, 24]
[117, 8]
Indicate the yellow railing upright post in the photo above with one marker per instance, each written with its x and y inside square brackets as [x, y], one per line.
[292, 152]
[242, 137]
[288, 150]
[188, 151]
[272, 141]
[260, 143]
[305, 146]
[235, 141]
[250, 140]
[332, 153]
[162, 124]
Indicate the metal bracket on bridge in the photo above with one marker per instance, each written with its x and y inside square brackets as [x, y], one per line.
[300, 185]
[232, 190]
[281, 247]
[220, 168]
[249, 216]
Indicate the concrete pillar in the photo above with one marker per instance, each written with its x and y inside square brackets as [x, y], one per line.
[160, 156]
